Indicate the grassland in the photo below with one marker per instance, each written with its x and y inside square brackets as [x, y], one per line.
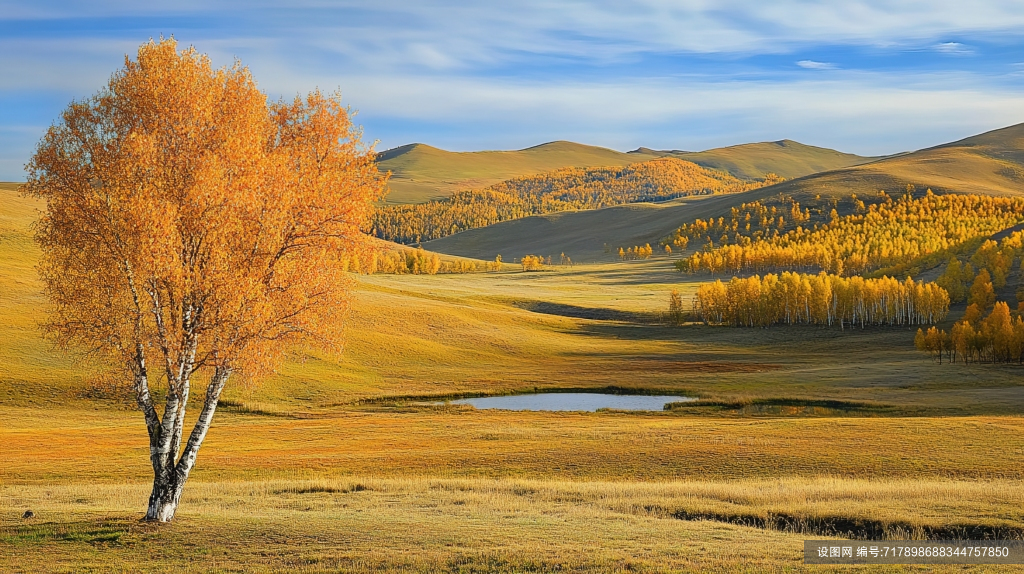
[988, 164]
[421, 172]
[786, 158]
[343, 464]
[330, 525]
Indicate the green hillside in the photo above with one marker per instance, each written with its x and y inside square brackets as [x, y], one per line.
[786, 158]
[990, 164]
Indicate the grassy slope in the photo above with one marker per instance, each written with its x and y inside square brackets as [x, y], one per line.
[454, 487]
[445, 525]
[990, 163]
[422, 172]
[787, 158]
[584, 235]
[27, 365]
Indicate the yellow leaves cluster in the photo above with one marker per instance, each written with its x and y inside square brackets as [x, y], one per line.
[749, 221]
[532, 262]
[889, 234]
[997, 338]
[637, 252]
[413, 262]
[820, 300]
[189, 215]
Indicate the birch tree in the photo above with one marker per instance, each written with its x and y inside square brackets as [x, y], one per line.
[193, 232]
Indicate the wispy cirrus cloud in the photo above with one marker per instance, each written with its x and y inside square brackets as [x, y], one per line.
[814, 65]
[953, 48]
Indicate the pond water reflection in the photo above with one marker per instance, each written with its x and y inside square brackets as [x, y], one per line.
[573, 402]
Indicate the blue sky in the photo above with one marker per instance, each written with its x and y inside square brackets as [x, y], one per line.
[869, 77]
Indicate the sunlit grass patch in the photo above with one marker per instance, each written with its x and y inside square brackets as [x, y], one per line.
[426, 524]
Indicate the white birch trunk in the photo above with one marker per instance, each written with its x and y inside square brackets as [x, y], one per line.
[170, 475]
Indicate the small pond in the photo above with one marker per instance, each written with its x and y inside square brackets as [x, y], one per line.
[573, 402]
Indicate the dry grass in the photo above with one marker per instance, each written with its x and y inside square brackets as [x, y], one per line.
[458, 489]
[466, 525]
[100, 446]
[787, 158]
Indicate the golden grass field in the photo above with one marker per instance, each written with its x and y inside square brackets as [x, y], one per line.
[343, 464]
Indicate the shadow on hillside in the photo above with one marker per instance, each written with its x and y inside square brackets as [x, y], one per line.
[792, 343]
[857, 528]
[578, 312]
[660, 270]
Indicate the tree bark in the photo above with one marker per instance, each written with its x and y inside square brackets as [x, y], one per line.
[170, 475]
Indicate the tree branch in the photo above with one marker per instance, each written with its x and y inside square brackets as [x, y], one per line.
[195, 440]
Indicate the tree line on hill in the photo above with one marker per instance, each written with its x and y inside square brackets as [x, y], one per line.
[822, 299]
[560, 190]
[997, 337]
[888, 236]
[418, 261]
[412, 261]
[636, 252]
[978, 235]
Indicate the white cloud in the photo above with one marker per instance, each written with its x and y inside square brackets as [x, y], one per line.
[812, 65]
[952, 48]
[860, 112]
[446, 33]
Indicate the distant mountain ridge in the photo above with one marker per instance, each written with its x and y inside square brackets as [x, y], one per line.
[421, 172]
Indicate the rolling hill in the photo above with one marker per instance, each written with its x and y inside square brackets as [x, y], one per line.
[421, 172]
[786, 158]
[991, 163]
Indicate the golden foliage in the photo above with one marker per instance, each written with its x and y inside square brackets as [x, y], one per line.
[889, 234]
[675, 308]
[532, 263]
[982, 292]
[955, 278]
[639, 252]
[998, 338]
[412, 262]
[190, 225]
[188, 215]
[820, 300]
